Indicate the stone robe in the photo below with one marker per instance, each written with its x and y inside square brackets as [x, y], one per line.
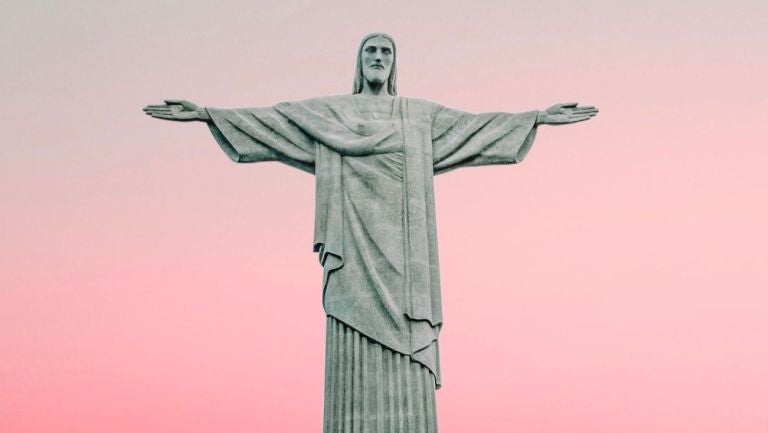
[375, 211]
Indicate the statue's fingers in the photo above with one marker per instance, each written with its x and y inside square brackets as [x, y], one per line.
[156, 106]
[158, 112]
[579, 112]
[579, 117]
[163, 116]
[583, 118]
[161, 108]
[164, 113]
[584, 114]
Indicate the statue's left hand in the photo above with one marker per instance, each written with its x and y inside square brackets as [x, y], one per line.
[175, 109]
[563, 114]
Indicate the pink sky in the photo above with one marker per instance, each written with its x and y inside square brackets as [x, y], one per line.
[615, 282]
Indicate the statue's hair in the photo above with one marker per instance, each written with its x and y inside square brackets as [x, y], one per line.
[359, 79]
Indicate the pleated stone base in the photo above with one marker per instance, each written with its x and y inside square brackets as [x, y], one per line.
[371, 389]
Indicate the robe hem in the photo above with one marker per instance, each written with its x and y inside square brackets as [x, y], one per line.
[409, 355]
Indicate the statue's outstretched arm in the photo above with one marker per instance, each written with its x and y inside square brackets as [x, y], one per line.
[179, 110]
[566, 113]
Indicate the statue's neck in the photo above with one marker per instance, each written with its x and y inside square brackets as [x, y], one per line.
[374, 89]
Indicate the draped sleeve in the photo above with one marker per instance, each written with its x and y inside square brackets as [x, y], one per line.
[262, 134]
[462, 139]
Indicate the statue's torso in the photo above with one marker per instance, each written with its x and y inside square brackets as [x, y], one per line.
[374, 226]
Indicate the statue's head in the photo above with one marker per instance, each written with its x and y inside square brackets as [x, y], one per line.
[376, 62]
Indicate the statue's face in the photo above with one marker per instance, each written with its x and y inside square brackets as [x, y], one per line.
[377, 57]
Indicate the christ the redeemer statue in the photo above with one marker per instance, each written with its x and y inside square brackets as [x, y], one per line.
[374, 155]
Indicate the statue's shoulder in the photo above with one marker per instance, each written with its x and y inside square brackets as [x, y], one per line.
[331, 99]
[421, 102]
[422, 106]
[345, 103]
[320, 103]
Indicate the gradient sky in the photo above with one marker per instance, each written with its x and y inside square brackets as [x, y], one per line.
[615, 282]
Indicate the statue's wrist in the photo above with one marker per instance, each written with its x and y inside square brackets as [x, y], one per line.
[202, 114]
[541, 118]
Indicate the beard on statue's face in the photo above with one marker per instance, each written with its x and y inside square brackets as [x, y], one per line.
[377, 57]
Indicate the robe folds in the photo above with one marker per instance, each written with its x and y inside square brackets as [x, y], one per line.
[375, 227]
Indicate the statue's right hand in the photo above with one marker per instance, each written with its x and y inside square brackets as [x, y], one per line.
[174, 109]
